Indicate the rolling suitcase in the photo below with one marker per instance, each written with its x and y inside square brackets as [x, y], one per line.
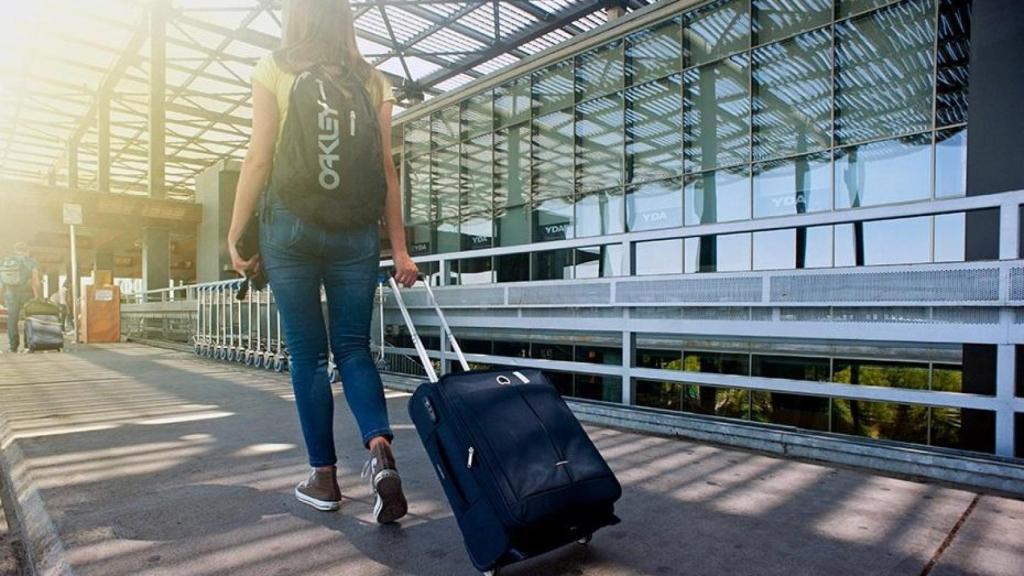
[43, 333]
[519, 471]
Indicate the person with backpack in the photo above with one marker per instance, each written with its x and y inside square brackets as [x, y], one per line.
[318, 170]
[19, 281]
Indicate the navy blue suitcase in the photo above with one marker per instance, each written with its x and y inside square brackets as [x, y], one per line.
[519, 471]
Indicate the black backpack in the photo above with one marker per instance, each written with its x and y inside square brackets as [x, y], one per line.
[329, 165]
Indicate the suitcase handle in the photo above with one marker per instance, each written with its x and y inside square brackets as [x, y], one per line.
[420, 349]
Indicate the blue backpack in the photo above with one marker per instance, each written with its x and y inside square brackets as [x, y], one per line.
[15, 272]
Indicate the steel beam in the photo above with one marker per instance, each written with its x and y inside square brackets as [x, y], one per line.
[158, 12]
[103, 142]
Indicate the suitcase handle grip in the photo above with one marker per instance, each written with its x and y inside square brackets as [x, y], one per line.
[421, 351]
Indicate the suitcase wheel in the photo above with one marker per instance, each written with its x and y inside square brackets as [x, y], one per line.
[495, 572]
[585, 540]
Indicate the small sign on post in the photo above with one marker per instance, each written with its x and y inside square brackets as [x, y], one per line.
[72, 214]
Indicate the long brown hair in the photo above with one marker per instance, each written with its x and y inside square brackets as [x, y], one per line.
[321, 32]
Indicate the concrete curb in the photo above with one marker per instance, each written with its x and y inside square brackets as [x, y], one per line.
[961, 469]
[44, 551]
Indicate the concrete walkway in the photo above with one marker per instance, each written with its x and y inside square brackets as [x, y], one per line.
[154, 462]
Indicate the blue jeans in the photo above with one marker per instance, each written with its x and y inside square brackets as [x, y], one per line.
[14, 300]
[300, 258]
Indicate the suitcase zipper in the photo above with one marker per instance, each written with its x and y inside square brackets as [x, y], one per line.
[351, 122]
[469, 462]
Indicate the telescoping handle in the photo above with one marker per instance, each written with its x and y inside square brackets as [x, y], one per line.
[420, 349]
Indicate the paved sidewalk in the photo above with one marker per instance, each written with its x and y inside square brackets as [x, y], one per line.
[155, 462]
[8, 563]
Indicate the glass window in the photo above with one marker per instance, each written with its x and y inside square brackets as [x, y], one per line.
[553, 87]
[951, 163]
[599, 213]
[715, 30]
[659, 358]
[475, 271]
[654, 141]
[418, 206]
[879, 373]
[953, 59]
[477, 230]
[792, 87]
[716, 114]
[663, 395]
[654, 205]
[546, 351]
[601, 388]
[553, 220]
[600, 142]
[722, 253]
[512, 166]
[716, 362]
[964, 428]
[947, 378]
[776, 19]
[883, 172]
[512, 225]
[445, 181]
[512, 102]
[599, 355]
[654, 52]
[811, 368]
[846, 8]
[447, 234]
[477, 164]
[793, 186]
[417, 136]
[714, 401]
[880, 420]
[444, 127]
[512, 268]
[552, 265]
[658, 257]
[419, 238]
[477, 115]
[511, 349]
[950, 237]
[599, 261]
[775, 250]
[808, 412]
[884, 68]
[814, 247]
[879, 242]
[719, 196]
[553, 155]
[599, 71]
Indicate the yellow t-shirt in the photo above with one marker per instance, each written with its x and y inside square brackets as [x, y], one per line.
[279, 81]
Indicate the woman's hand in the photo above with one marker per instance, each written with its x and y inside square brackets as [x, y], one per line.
[406, 271]
[247, 268]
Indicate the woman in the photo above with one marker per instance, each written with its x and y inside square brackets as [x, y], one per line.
[299, 258]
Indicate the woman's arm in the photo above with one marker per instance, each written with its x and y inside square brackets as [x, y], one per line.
[255, 170]
[406, 271]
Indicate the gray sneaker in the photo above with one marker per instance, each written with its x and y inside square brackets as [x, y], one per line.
[320, 490]
[387, 485]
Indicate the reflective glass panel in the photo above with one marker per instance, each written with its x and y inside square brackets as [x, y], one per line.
[512, 102]
[553, 87]
[512, 166]
[716, 362]
[599, 71]
[908, 375]
[601, 388]
[552, 265]
[793, 186]
[417, 136]
[808, 412]
[715, 30]
[654, 140]
[947, 378]
[954, 56]
[476, 271]
[714, 401]
[816, 250]
[654, 394]
[880, 420]
[658, 257]
[884, 69]
[599, 213]
[654, 52]
[553, 155]
[477, 230]
[654, 205]
[448, 239]
[775, 250]
[883, 172]
[722, 253]
[477, 115]
[419, 238]
[899, 241]
[599, 142]
[512, 268]
[951, 163]
[950, 237]
[444, 127]
[512, 225]
[477, 164]
[720, 196]
[599, 261]
[445, 181]
[812, 368]
[657, 358]
[792, 86]
[553, 220]
[716, 114]
[418, 203]
[963, 428]
[846, 8]
[775, 19]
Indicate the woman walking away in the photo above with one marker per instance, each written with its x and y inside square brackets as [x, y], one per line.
[321, 132]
